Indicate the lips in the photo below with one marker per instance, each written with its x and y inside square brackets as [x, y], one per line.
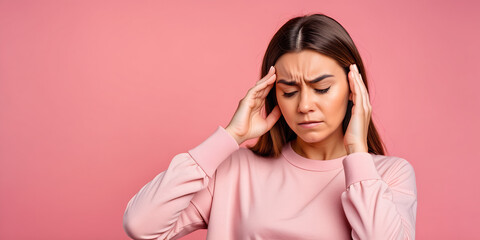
[310, 124]
[306, 122]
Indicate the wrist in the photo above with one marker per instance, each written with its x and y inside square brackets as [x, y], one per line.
[353, 149]
[234, 136]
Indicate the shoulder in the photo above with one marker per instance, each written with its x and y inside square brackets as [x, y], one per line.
[382, 161]
[243, 158]
[393, 168]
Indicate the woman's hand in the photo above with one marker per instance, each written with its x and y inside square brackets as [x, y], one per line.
[355, 138]
[248, 122]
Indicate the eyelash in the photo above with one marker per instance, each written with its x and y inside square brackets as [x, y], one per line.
[321, 91]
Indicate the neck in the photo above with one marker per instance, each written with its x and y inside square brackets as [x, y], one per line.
[329, 148]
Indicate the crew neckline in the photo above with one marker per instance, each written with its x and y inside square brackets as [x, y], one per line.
[310, 164]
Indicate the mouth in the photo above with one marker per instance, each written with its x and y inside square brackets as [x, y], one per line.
[310, 124]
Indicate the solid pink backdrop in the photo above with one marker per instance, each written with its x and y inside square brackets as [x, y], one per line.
[96, 97]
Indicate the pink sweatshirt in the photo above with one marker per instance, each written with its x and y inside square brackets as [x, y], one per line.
[239, 195]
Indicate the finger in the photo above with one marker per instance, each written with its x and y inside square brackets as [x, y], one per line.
[351, 82]
[270, 72]
[256, 90]
[269, 84]
[367, 95]
[360, 88]
[260, 87]
[273, 117]
[363, 89]
[357, 95]
[366, 100]
[266, 91]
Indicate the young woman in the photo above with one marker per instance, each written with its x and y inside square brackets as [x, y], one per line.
[318, 170]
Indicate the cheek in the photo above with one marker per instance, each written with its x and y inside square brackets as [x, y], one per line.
[283, 105]
[335, 99]
[337, 105]
[280, 101]
[287, 108]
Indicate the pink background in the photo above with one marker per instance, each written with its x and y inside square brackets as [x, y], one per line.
[96, 97]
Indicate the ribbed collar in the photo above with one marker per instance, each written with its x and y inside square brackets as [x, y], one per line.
[310, 164]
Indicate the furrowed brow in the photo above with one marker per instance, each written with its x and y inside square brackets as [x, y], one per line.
[293, 83]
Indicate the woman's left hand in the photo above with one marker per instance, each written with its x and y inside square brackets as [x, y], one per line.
[355, 138]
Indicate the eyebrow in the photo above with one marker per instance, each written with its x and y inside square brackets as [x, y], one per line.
[293, 83]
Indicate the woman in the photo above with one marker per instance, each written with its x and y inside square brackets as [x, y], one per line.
[318, 170]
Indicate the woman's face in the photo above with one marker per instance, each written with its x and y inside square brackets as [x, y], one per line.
[323, 101]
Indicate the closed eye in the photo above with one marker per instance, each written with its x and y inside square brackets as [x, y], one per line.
[321, 91]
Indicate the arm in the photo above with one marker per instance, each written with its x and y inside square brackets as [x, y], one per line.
[377, 208]
[178, 200]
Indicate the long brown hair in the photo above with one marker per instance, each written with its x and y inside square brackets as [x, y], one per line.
[323, 34]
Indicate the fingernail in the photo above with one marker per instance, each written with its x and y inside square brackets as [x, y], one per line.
[271, 68]
[356, 68]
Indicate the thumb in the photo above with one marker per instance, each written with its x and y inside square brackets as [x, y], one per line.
[273, 117]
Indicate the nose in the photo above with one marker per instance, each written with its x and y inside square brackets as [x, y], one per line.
[307, 101]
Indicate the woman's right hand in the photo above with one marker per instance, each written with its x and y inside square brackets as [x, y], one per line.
[248, 122]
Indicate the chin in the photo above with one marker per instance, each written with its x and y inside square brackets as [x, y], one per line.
[312, 137]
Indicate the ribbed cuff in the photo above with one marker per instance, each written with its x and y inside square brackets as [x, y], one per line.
[216, 148]
[359, 166]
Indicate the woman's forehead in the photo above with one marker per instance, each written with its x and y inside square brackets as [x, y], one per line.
[306, 64]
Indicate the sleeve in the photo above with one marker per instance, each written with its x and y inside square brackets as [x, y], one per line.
[178, 200]
[378, 208]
